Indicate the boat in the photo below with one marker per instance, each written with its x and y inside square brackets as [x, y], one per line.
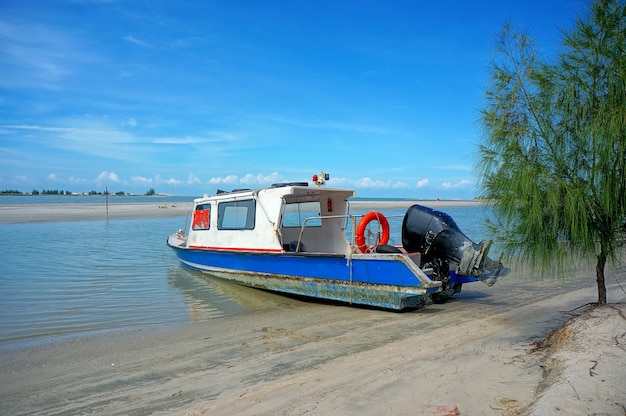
[303, 240]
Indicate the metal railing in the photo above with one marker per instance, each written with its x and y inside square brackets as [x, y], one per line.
[350, 219]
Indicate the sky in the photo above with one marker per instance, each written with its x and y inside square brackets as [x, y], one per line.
[187, 97]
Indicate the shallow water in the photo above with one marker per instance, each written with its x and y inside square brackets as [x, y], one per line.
[69, 278]
[64, 279]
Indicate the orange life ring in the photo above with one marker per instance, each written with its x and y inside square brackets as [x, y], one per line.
[360, 230]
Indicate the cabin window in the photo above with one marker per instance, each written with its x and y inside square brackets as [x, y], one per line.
[201, 217]
[236, 215]
[295, 213]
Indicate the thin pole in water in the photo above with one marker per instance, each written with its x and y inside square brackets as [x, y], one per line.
[106, 198]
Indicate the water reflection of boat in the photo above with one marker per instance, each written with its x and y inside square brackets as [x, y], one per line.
[209, 298]
[291, 238]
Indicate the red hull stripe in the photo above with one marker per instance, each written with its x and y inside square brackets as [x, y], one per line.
[257, 250]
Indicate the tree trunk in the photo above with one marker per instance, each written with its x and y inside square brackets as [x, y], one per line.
[600, 277]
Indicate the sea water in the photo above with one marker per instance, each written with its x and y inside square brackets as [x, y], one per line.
[73, 278]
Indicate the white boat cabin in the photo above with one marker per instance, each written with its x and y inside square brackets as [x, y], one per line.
[283, 217]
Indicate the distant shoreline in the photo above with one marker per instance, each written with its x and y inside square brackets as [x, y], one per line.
[24, 213]
[405, 203]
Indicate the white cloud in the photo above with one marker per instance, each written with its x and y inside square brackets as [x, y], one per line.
[172, 182]
[132, 39]
[366, 183]
[106, 177]
[193, 179]
[22, 180]
[130, 122]
[87, 135]
[461, 184]
[77, 181]
[51, 177]
[179, 140]
[39, 55]
[422, 183]
[140, 181]
[250, 179]
[228, 180]
[399, 185]
[369, 183]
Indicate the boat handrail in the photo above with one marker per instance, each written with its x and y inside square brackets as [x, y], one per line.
[352, 217]
[318, 217]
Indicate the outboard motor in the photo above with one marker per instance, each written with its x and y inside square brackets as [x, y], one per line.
[437, 237]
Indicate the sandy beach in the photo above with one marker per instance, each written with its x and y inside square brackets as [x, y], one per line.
[478, 353]
[526, 346]
[18, 213]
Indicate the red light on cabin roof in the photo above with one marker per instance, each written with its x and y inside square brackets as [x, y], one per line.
[314, 178]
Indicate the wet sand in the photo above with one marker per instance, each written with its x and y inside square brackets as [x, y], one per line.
[19, 213]
[477, 352]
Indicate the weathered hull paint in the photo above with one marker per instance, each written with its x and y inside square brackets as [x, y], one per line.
[388, 281]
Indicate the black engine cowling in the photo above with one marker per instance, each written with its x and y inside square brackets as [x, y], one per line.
[436, 236]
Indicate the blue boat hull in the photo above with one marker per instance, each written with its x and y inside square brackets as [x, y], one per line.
[389, 281]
